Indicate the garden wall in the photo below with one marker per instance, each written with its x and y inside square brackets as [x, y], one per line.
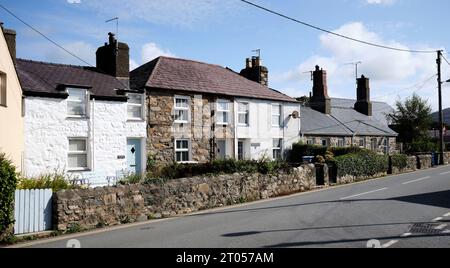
[107, 206]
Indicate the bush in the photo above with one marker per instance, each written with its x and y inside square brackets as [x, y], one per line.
[340, 151]
[299, 150]
[421, 146]
[55, 181]
[399, 161]
[227, 166]
[363, 164]
[130, 179]
[8, 181]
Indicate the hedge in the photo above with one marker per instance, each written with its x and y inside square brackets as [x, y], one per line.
[363, 164]
[8, 181]
[228, 166]
[340, 151]
[299, 150]
[399, 161]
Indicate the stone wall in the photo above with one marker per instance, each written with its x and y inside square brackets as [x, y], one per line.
[424, 161]
[356, 141]
[411, 165]
[107, 206]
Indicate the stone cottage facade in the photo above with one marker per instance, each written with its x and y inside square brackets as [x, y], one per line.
[83, 121]
[198, 112]
[343, 123]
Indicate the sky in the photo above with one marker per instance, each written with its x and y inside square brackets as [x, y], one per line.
[225, 32]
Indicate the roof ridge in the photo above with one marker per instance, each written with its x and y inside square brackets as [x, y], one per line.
[54, 64]
[349, 99]
[193, 61]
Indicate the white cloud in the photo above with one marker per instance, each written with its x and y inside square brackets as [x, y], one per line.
[389, 71]
[133, 64]
[173, 12]
[381, 2]
[74, 1]
[150, 51]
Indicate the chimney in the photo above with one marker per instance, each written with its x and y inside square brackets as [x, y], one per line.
[363, 104]
[320, 100]
[10, 37]
[255, 71]
[114, 58]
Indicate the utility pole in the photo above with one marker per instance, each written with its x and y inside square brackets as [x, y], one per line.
[441, 115]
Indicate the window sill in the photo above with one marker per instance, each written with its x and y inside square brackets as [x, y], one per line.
[135, 120]
[188, 162]
[222, 124]
[77, 117]
[79, 170]
[181, 122]
[243, 125]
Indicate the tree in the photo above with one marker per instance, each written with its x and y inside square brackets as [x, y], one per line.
[412, 119]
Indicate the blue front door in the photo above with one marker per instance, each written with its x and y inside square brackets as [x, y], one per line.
[134, 154]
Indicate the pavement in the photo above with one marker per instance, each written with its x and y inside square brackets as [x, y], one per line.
[405, 211]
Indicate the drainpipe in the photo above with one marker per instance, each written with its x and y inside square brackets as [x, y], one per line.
[93, 134]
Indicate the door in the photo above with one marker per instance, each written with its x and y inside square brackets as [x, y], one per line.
[240, 150]
[134, 154]
[221, 149]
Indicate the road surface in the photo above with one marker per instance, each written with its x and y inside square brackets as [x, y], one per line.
[409, 210]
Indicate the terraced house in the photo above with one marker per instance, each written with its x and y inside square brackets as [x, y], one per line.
[198, 112]
[83, 121]
[336, 122]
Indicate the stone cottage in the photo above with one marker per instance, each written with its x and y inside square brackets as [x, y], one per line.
[198, 112]
[342, 122]
[83, 121]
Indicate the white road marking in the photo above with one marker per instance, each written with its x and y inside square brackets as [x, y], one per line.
[389, 244]
[445, 173]
[406, 234]
[438, 219]
[441, 227]
[446, 232]
[447, 215]
[421, 179]
[356, 195]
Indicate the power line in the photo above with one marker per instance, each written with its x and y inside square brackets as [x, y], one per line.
[43, 35]
[334, 33]
[445, 59]
[418, 86]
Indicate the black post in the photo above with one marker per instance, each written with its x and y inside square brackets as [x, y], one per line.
[441, 115]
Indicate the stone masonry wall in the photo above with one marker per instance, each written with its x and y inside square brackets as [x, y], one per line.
[334, 142]
[107, 206]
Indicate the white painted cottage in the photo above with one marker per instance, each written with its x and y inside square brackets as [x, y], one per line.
[83, 121]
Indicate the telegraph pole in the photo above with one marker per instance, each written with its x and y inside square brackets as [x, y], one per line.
[441, 115]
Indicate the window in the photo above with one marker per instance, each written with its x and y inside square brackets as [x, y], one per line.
[325, 142]
[276, 115]
[3, 89]
[135, 106]
[223, 111]
[277, 148]
[362, 143]
[386, 146]
[341, 142]
[311, 141]
[182, 151]
[77, 102]
[374, 144]
[182, 109]
[78, 154]
[243, 114]
[240, 150]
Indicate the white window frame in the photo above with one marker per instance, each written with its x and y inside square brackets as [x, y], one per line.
[85, 102]
[339, 141]
[311, 141]
[184, 109]
[181, 150]
[3, 90]
[276, 113]
[141, 105]
[279, 149]
[363, 140]
[86, 152]
[246, 114]
[224, 111]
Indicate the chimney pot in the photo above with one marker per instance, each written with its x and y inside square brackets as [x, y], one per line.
[255, 71]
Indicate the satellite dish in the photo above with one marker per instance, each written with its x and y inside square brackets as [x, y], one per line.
[295, 115]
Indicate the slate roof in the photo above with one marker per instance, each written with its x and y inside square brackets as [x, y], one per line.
[341, 122]
[192, 76]
[379, 109]
[49, 79]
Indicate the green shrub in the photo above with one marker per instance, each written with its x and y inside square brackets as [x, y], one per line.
[130, 179]
[363, 164]
[399, 161]
[55, 181]
[299, 150]
[8, 181]
[340, 151]
[421, 146]
[227, 166]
